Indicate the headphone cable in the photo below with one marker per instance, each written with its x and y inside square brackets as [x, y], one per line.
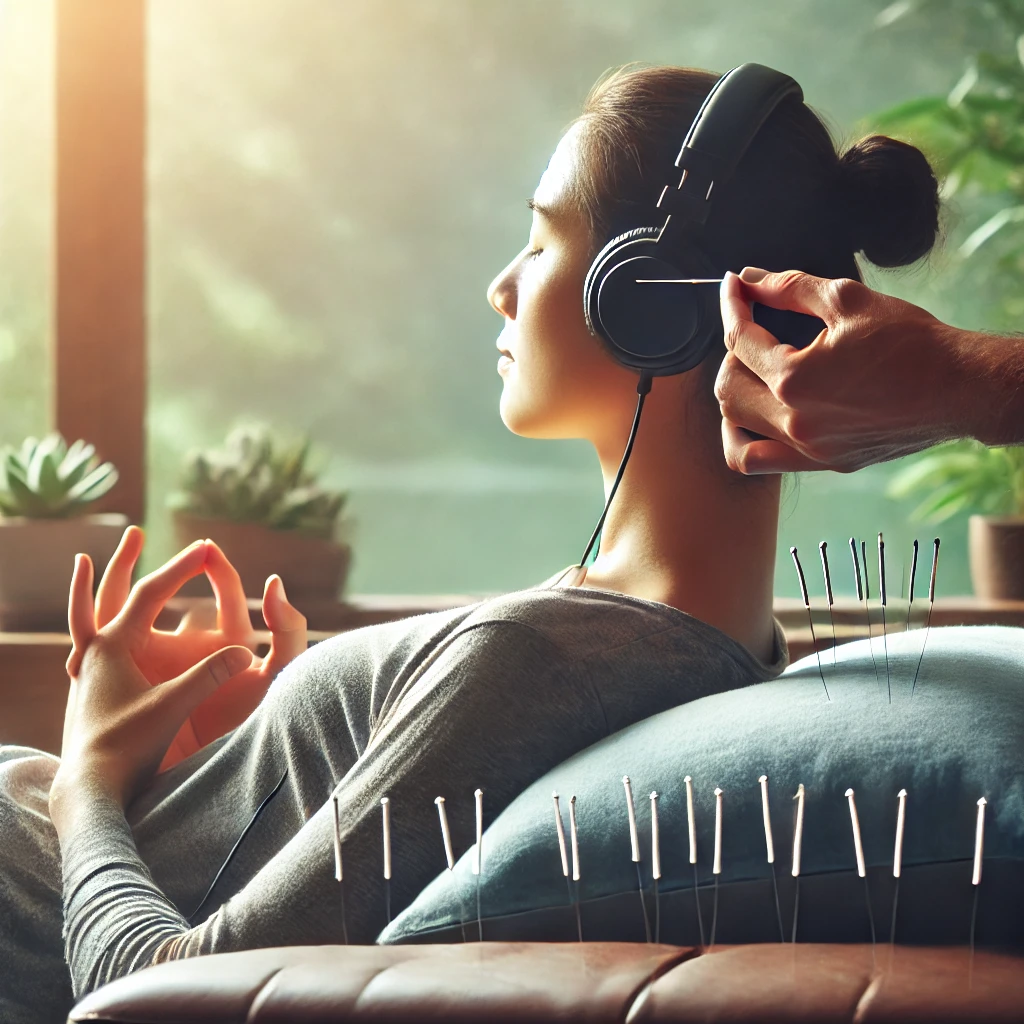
[643, 387]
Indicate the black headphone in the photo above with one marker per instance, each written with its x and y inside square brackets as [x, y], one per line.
[660, 329]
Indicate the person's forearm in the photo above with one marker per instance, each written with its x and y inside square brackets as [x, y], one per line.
[988, 400]
[116, 919]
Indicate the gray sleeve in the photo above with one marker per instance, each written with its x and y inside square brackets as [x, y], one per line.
[496, 707]
[115, 917]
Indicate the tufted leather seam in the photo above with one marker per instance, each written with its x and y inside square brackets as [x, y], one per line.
[373, 977]
[866, 999]
[260, 998]
[639, 996]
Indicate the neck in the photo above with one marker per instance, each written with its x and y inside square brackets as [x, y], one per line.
[683, 528]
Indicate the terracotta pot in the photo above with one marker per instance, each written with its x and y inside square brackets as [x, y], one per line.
[311, 568]
[37, 557]
[996, 545]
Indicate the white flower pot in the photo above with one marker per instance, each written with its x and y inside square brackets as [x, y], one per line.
[37, 557]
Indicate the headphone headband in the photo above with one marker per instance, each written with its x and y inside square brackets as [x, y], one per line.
[728, 119]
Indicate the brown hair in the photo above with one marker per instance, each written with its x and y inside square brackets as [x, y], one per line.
[793, 202]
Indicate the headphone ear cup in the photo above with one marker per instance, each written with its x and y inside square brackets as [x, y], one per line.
[657, 329]
[600, 260]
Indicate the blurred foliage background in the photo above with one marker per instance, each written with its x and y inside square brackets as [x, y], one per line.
[333, 183]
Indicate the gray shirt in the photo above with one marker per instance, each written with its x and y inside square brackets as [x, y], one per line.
[491, 695]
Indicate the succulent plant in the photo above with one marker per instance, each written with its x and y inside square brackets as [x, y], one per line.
[47, 479]
[255, 479]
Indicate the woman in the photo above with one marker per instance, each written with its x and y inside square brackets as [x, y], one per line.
[677, 604]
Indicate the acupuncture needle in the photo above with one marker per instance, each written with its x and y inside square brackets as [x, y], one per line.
[656, 864]
[679, 280]
[897, 859]
[691, 826]
[867, 605]
[635, 851]
[574, 836]
[810, 618]
[931, 606]
[716, 869]
[798, 840]
[769, 843]
[446, 837]
[339, 874]
[862, 596]
[478, 862]
[882, 597]
[858, 848]
[385, 810]
[979, 847]
[564, 854]
[823, 551]
[913, 576]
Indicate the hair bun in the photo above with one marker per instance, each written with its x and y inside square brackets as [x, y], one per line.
[892, 200]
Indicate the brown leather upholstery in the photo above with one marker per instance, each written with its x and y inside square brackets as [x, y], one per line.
[508, 981]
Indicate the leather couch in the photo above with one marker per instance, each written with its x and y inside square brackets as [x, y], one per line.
[592, 981]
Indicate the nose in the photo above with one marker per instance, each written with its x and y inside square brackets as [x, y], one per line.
[501, 293]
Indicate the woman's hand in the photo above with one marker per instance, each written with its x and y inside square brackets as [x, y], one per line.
[118, 725]
[164, 655]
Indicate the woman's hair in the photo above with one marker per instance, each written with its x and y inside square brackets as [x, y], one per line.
[793, 201]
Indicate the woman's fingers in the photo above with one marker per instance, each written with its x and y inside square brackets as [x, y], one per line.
[287, 626]
[116, 584]
[184, 694]
[232, 609]
[152, 592]
[81, 616]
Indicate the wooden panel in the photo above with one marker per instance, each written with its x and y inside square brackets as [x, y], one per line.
[99, 323]
[33, 689]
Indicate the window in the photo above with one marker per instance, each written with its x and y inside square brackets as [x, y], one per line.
[332, 186]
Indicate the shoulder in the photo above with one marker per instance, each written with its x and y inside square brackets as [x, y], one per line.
[585, 622]
[578, 620]
[377, 648]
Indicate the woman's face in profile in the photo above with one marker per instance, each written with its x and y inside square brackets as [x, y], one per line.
[559, 381]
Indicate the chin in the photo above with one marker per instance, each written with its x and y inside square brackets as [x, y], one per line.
[528, 419]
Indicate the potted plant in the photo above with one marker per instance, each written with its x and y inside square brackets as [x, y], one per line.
[257, 499]
[46, 489]
[966, 476]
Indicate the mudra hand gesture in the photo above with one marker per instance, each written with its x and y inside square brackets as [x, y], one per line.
[123, 618]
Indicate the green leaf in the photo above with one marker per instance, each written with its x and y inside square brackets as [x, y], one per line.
[980, 235]
[894, 12]
[28, 446]
[93, 486]
[76, 463]
[41, 474]
[968, 80]
[25, 499]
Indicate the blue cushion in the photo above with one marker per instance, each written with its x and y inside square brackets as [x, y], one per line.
[961, 737]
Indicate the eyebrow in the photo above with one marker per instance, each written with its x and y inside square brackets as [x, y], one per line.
[544, 211]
